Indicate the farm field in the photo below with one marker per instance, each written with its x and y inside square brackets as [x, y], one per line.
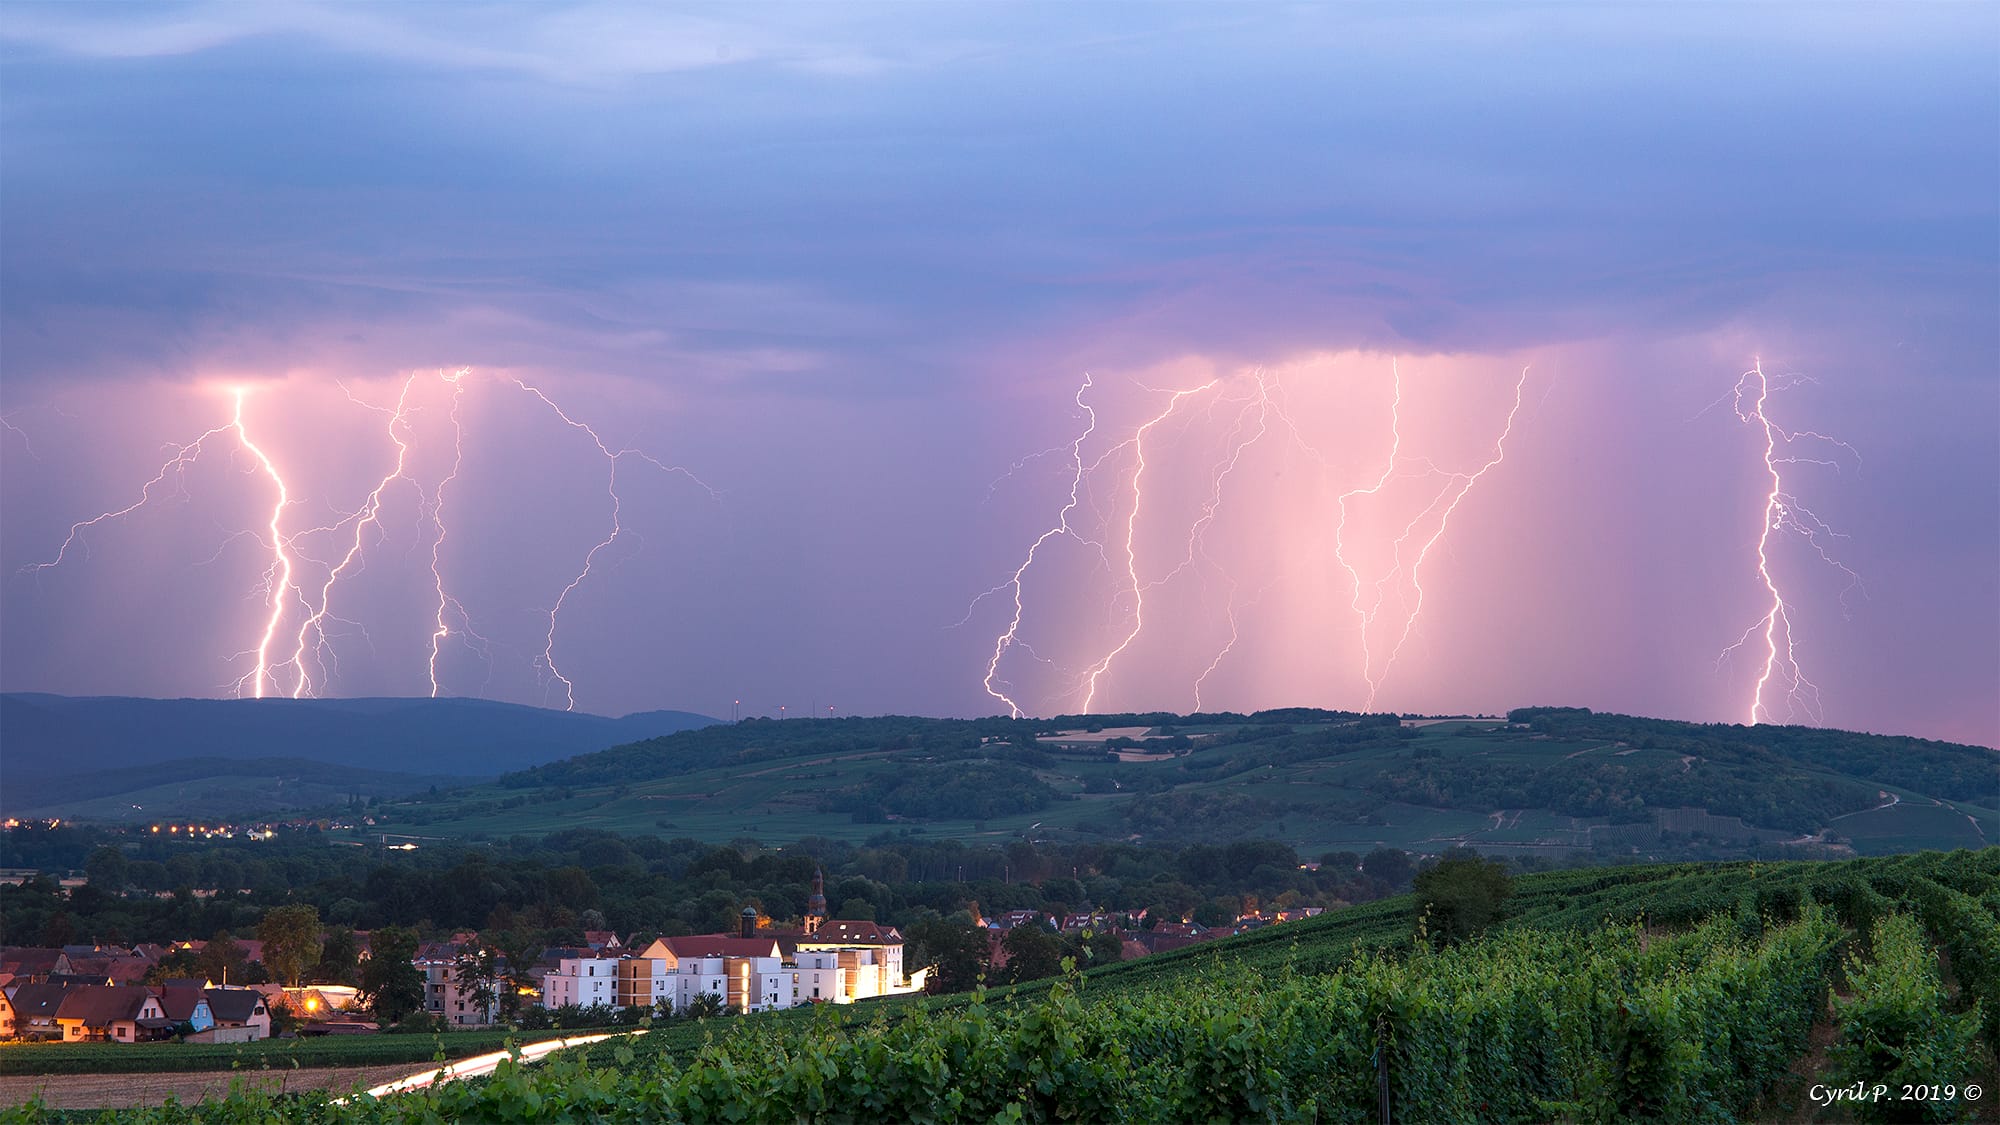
[343, 1052]
[133, 1091]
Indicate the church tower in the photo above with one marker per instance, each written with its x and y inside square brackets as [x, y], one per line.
[816, 905]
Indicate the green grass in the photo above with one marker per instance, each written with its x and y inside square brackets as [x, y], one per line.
[1910, 826]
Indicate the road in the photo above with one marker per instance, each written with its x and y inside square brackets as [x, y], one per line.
[479, 1066]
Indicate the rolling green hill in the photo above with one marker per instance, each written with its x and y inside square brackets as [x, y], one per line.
[1550, 782]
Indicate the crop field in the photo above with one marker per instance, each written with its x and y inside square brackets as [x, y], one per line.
[265, 1054]
[1918, 822]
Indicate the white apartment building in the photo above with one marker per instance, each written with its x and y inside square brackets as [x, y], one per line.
[841, 963]
[842, 976]
[582, 981]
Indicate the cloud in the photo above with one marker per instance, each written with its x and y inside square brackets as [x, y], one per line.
[561, 44]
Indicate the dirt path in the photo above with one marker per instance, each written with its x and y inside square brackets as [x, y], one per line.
[120, 1091]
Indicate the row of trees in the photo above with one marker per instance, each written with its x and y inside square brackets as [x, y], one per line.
[555, 887]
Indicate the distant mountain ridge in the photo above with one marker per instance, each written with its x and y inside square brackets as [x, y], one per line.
[64, 748]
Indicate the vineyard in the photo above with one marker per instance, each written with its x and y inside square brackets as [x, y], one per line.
[1857, 991]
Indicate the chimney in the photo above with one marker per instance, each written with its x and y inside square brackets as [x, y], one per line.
[749, 922]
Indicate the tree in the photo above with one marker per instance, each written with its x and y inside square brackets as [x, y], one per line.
[390, 980]
[954, 947]
[1461, 895]
[176, 964]
[291, 938]
[475, 975]
[1391, 865]
[107, 869]
[515, 952]
[58, 931]
[1095, 947]
[1032, 953]
[221, 959]
[339, 958]
[706, 1004]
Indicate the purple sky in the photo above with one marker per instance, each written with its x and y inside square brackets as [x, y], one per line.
[848, 265]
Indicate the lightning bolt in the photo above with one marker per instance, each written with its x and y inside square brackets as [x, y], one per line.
[1251, 423]
[1137, 442]
[278, 585]
[445, 601]
[1452, 490]
[1458, 486]
[8, 424]
[1010, 636]
[617, 528]
[1197, 542]
[368, 516]
[176, 465]
[1367, 614]
[313, 657]
[1783, 513]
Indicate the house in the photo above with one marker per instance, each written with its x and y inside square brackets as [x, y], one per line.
[747, 973]
[602, 941]
[1171, 935]
[29, 964]
[183, 1004]
[457, 1001]
[114, 968]
[582, 981]
[116, 1013]
[752, 970]
[35, 1008]
[6, 1017]
[713, 945]
[870, 953]
[238, 1009]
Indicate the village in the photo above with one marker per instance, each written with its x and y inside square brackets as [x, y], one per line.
[103, 993]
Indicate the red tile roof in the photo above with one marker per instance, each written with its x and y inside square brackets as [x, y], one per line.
[179, 1003]
[104, 1005]
[844, 931]
[721, 945]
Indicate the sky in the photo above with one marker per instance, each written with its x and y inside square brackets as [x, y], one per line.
[976, 358]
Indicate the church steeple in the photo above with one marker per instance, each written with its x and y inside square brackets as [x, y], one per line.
[816, 904]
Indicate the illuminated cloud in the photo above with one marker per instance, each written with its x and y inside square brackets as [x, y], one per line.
[849, 263]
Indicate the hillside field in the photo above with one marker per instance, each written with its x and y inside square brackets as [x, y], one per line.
[1560, 784]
